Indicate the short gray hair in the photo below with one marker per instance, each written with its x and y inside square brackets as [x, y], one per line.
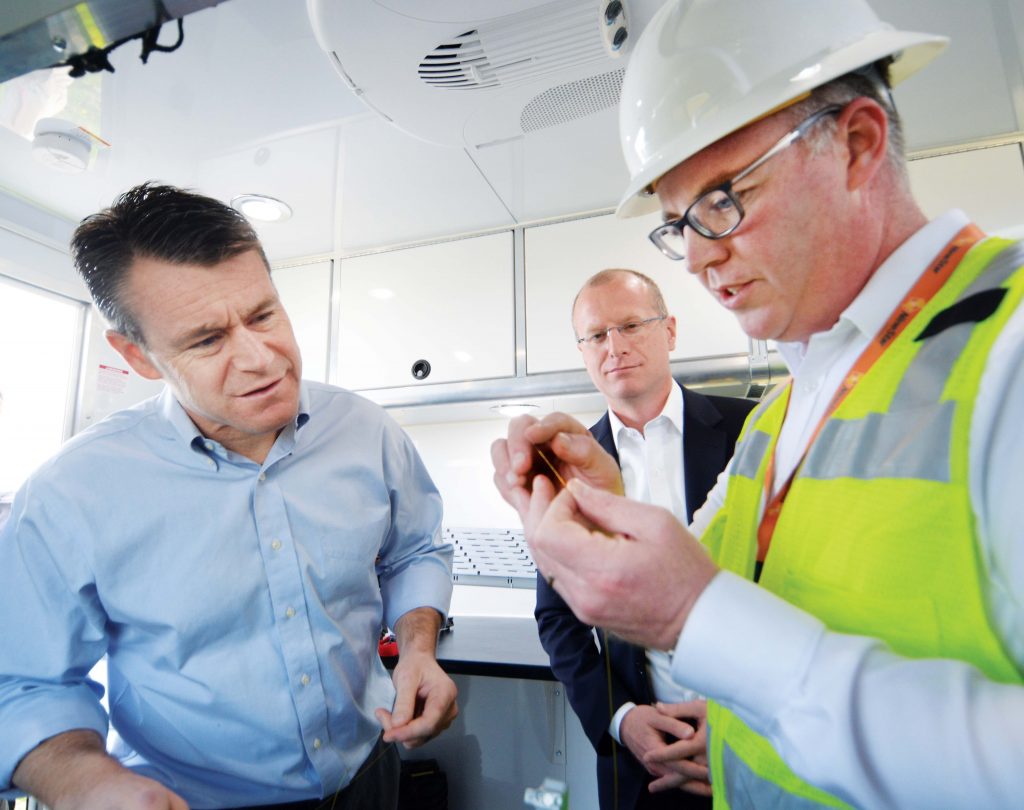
[871, 82]
[612, 273]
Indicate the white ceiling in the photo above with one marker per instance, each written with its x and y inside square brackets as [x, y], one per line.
[251, 103]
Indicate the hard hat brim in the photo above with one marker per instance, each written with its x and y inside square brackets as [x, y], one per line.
[910, 51]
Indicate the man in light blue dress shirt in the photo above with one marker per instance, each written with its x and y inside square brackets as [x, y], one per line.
[232, 546]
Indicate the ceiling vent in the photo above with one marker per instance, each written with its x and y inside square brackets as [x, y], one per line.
[567, 102]
[458, 65]
[476, 72]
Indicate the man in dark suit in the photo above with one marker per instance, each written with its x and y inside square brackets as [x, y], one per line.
[671, 444]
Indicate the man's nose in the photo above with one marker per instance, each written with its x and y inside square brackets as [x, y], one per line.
[251, 352]
[702, 253]
[618, 344]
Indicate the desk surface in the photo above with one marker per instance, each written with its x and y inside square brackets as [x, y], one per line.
[501, 647]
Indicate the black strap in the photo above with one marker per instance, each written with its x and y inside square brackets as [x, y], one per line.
[972, 309]
[95, 59]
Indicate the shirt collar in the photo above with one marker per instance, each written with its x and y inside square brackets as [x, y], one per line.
[673, 411]
[183, 425]
[892, 280]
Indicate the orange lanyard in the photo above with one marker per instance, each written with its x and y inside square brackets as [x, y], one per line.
[930, 282]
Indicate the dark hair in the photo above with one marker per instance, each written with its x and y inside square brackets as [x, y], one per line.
[169, 224]
[612, 273]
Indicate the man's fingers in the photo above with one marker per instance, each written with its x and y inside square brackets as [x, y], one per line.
[384, 718]
[509, 483]
[540, 499]
[669, 781]
[614, 513]
[544, 430]
[679, 758]
[679, 729]
[405, 701]
[695, 709]
[696, 786]
[434, 720]
[551, 510]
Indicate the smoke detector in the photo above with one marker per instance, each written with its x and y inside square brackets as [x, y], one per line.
[62, 146]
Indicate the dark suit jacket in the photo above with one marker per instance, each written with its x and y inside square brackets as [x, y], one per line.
[710, 427]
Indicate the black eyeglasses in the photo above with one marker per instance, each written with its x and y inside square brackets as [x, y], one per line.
[717, 212]
[631, 329]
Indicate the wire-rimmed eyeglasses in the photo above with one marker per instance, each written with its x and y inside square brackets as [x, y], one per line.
[717, 212]
[631, 329]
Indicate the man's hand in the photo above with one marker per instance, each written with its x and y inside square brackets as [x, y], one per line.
[573, 451]
[638, 575]
[424, 694]
[680, 764]
[72, 771]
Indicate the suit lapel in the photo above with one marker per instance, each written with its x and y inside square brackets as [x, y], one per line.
[602, 431]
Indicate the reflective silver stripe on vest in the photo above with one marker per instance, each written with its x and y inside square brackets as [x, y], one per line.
[750, 453]
[927, 374]
[896, 444]
[913, 438]
[999, 270]
[745, 790]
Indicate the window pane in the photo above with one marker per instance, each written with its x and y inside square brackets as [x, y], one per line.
[39, 339]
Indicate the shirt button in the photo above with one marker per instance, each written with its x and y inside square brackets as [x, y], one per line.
[211, 462]
[289, 613]
[276, 545]
[263, 476]
[317, 743]
[304, 680]
[208, 445]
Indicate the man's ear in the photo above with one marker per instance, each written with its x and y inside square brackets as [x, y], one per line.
[866, 127]
[133, 355]
[670, 322]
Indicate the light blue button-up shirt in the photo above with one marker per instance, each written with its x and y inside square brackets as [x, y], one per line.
[238, 604]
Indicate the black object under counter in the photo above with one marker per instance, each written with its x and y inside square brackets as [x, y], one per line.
[501, 647]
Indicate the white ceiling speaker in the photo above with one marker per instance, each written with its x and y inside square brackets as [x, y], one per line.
[480, 72]
[61, 146]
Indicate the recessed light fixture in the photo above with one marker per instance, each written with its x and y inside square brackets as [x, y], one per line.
[512, 409]
[261, 207]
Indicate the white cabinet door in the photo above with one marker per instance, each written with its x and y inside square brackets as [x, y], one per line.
[305, 292]
[988, 184]
[560, 257]
[450, 305]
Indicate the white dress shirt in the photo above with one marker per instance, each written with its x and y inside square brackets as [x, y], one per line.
[844, 711]
[652, 472]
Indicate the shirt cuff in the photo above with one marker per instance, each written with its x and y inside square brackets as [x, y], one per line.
[613, 727]
[425, 584]
[746, 648]
[30, 721]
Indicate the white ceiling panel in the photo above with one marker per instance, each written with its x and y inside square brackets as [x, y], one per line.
[299, 169]
[968, 92]
[573, 167]
[251, 103]
[396, 188]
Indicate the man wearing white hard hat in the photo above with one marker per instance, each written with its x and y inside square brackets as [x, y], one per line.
[875, 500]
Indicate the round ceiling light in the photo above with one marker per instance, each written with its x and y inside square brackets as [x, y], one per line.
[513, 409]
[261, 207]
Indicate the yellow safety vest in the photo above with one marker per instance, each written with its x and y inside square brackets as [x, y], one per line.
[877, 536]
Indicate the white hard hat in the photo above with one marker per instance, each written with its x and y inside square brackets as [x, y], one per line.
[703, 69]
